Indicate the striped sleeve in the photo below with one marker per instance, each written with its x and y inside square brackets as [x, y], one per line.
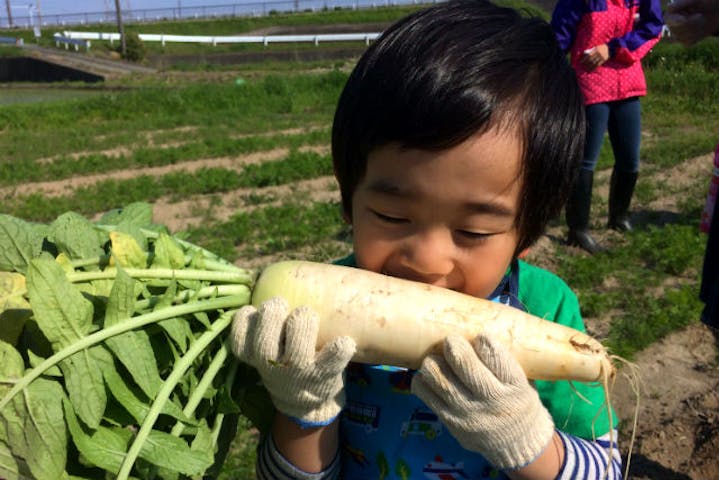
[585, 459]
[271, 465]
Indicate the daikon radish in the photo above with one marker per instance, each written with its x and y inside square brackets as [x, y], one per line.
[398, 322]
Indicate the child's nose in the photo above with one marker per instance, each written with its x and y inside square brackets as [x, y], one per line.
[429, 255]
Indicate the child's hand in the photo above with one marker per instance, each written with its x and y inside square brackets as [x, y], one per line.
[483, 397]
[303, 384]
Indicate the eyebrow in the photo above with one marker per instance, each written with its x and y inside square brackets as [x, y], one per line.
[384, 187]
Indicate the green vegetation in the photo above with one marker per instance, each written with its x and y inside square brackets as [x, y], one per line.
[124, 333]
[260, 147]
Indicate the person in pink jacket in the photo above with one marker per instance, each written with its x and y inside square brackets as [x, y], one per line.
[606, 40]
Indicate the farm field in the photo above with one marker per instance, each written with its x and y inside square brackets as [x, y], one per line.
[243, 169]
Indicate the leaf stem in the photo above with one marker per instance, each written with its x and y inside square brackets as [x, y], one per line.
[168, 386]
[229, 382]
[204, 292]
[241, 276]
[84, 262]
[199, 392]
[232, 302]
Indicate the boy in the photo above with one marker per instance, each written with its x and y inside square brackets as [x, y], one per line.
[455, 141]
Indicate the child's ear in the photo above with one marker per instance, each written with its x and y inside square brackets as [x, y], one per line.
[346, 217]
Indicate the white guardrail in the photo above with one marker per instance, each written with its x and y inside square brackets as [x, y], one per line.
[73, 37]
[67, 41]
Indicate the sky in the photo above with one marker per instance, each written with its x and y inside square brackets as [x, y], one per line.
[54, 7]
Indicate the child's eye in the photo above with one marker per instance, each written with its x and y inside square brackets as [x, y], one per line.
[476, 236]
[388, 218]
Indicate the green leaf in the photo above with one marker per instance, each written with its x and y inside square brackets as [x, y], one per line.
[12, 468]
[84, 383]
[131, 401]
[138, 214]
[168, 253]
[75, 236]
[225, 402]
[225, 438]
[65, 316]
[97, 288]
[20, 242]
[126, 251]
[167, 451]
[104, 448]
[34, 360]
[203, 442]
[179, 331]
[14, 309]
[36, 429]
[11, 366]
[8, 466]
[133, 348]
[61, 311]
[177, 328]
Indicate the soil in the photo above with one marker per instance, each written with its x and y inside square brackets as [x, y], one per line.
[677, 433]
[676, 406]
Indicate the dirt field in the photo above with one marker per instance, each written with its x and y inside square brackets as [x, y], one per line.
[677, 433]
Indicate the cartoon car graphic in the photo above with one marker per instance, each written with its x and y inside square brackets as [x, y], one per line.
[439, 470]
[362, 414]
[421, 422]
[356, 455]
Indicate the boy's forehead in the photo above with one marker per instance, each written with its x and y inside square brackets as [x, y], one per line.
[482, 167]
[499, 146]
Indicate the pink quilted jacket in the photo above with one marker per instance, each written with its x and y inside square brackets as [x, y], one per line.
[629, 27]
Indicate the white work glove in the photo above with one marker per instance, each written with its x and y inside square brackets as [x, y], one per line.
[482, 396]
[303, 384]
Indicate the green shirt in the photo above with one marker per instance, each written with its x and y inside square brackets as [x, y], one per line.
[577, 408]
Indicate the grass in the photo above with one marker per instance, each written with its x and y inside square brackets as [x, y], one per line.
[645, 287]
[218, 112]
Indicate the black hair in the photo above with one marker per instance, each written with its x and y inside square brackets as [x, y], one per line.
[445, 73]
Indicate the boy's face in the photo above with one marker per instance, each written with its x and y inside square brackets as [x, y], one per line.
[446, 218]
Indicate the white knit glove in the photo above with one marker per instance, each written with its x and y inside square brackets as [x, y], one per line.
[303, 384]
[482, 396]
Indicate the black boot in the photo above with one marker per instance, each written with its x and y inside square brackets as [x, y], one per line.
[621, 189]
[578, 208]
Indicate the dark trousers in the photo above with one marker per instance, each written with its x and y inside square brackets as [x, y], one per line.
[622, 119]
[709, 291]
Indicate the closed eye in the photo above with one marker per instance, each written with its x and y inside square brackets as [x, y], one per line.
[469, 235]
[388, 218]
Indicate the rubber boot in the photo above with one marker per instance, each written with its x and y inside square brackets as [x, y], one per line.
[577, 214]
[621, 190]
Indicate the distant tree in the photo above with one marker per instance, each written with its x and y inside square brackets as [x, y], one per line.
[134, 47]
[9, 13]
[120, 29]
